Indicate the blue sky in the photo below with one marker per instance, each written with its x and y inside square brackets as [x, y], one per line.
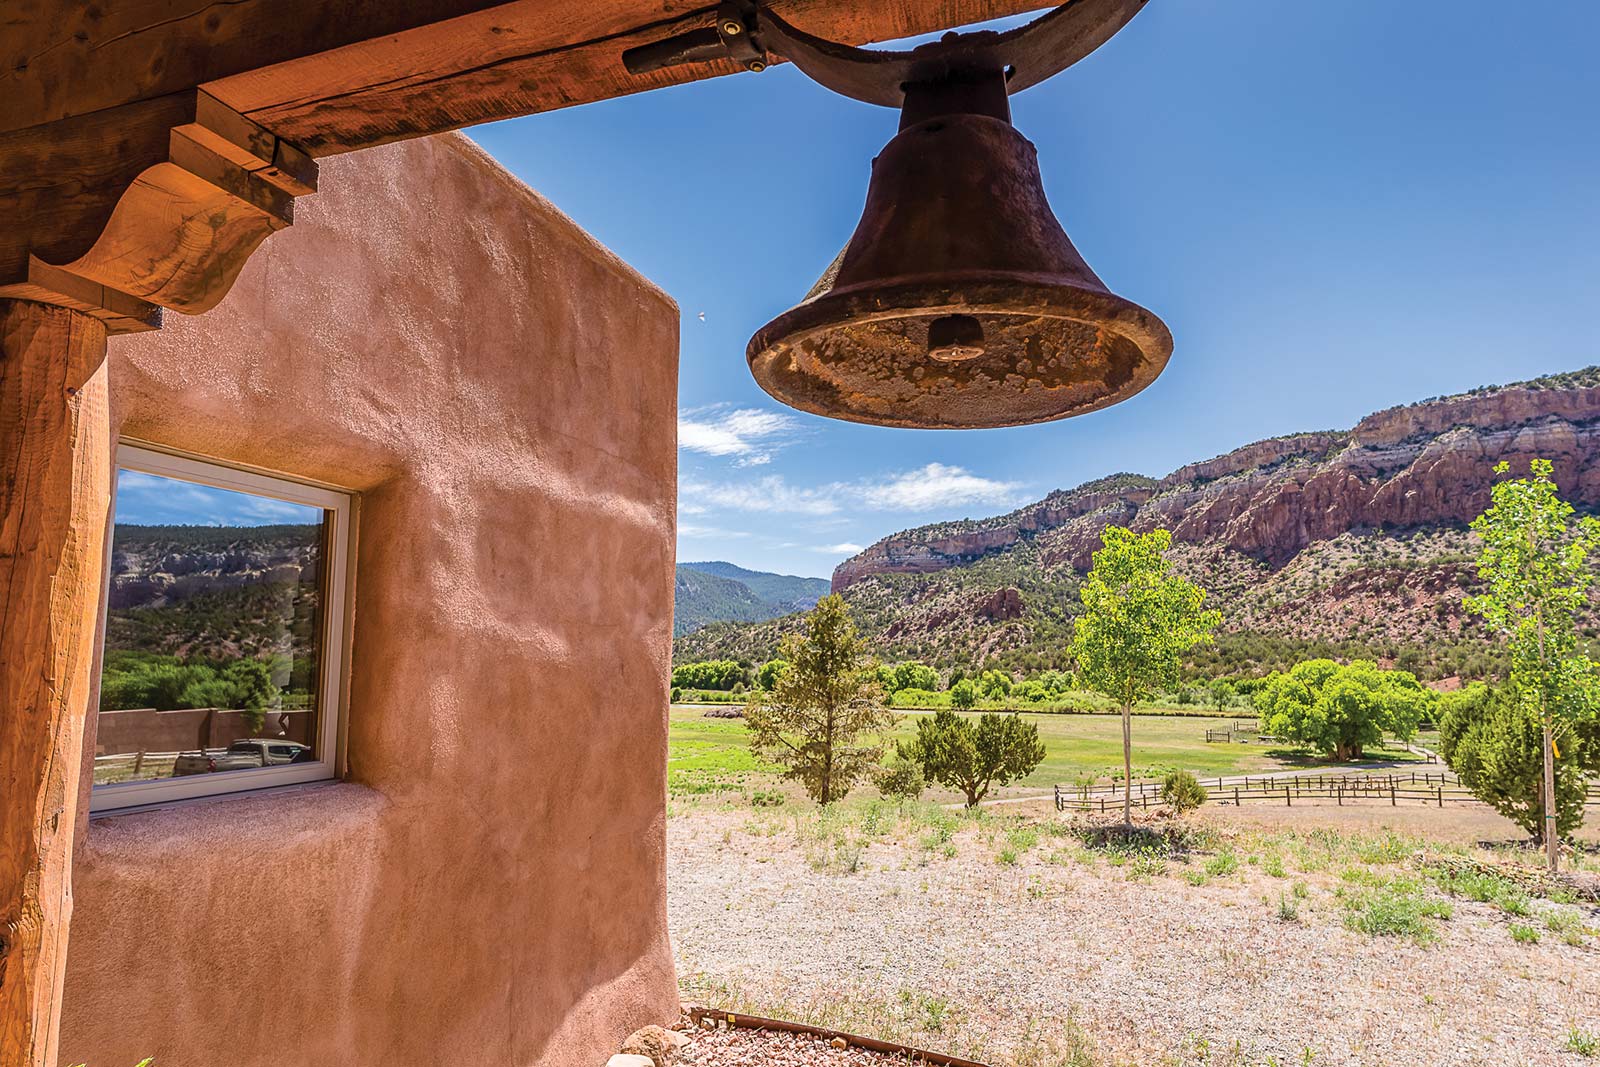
[1336, 207]
[152, 500]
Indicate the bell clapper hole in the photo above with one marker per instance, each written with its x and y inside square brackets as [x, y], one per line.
[955, 338]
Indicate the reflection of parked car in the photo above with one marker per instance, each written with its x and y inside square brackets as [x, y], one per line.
[242, 755]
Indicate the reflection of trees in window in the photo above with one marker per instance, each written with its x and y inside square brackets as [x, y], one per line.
[213, 617]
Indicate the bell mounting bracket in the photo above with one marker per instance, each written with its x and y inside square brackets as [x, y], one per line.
[745, 31]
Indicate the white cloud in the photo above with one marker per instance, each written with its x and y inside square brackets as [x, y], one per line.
[695, 531]
[749, 434]
[844, 548]
[770, 493]
[933, 486]
[937, 485]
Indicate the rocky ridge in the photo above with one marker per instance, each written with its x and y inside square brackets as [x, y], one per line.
[1426, 464]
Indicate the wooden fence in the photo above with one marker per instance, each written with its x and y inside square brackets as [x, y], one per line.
[1435, 789]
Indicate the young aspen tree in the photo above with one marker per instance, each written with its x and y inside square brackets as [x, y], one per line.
[1138, 619]
[1535, 562]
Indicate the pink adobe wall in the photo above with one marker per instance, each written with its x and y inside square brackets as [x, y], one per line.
[488, 885]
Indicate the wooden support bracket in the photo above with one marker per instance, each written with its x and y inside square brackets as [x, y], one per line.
[193, 189]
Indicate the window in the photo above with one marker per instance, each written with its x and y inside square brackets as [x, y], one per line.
[224, 632]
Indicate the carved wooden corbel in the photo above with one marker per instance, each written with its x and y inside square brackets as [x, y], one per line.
[163, 221]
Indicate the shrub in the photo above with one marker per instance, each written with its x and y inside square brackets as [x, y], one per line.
[972, 756]
[676, 695]
[1523, 934]
[1182, 791]
[900, 778]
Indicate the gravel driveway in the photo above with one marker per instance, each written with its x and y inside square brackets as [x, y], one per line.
[968, 955]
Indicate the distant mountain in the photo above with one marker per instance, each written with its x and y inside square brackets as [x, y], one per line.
[1343, 543]
[785, 590]
[721, 592]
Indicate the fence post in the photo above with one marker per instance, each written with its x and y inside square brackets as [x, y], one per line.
[1236, 796]
[1441, 796]
[1392, 801]
[1286, 801]
[1339, 789]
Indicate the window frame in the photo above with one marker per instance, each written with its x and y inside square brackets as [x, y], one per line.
[337, 590]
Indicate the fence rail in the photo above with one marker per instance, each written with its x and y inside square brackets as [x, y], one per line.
[1435, 789]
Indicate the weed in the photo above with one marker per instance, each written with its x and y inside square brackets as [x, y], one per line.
[1288, 908]
[1582, 1042]
[1300, 890]
[1524, 934]
[1274, 867]
[1395, 907]
[1195, 876]
[1022, 838]
[1007, 856]
[1222, 864]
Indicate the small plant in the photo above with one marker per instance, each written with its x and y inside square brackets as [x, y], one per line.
[900, 778]
[1580, 1041]
[1195, 876]
[760, 799]
[1397, 907]
[1300, 890]
[1182, 791]
[1274, 867]
[1007, 857]
[1222, 864]
[1524, 934]
[1288, 908]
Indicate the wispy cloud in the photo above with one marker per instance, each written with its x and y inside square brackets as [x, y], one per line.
[844, 548]
[749, 435]
[937, 485]
[933, 486]
[696, 531]
[770, 493]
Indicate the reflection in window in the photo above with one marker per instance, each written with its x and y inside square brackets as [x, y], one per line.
[213, 660]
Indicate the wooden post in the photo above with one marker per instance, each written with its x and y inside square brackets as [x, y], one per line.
[55, 491]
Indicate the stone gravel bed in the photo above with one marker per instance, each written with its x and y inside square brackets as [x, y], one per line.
[738, 1047]
[1152, 971]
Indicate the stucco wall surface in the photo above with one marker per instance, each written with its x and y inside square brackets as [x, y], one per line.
[488, 884]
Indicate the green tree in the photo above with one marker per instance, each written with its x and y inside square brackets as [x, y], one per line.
[964, 694]
[915, 676]
[973, 755]
[1138, 619]
[1341, 710]
[821, 710]
[1535, 562]
[1221, 693]
[767, 676]
[900, 778]
[994, 685]
[1495, 744]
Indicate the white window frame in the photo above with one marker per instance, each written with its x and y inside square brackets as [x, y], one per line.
[337, 587]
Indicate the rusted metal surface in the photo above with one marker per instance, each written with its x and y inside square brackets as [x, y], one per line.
[957, 230]
[757, 1022]
[959, 302]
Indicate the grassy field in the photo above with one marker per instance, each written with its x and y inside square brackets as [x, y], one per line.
[712, 756]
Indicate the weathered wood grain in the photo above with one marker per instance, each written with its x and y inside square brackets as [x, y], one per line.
[158, 203]
[55, 492]
[525, 57]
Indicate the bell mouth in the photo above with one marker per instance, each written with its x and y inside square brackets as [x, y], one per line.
[1021, 349]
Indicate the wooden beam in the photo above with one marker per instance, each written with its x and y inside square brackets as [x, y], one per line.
[55, 494]
[153, 204]
[525, 57]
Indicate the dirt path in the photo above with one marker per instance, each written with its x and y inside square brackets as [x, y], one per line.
[970, 955]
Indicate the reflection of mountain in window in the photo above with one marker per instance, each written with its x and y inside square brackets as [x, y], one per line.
[214, 628]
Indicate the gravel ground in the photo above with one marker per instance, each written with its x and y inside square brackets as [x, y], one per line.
[967, 955]
[760, 1048]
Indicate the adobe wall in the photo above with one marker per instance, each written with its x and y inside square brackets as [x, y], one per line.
[488, 886]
